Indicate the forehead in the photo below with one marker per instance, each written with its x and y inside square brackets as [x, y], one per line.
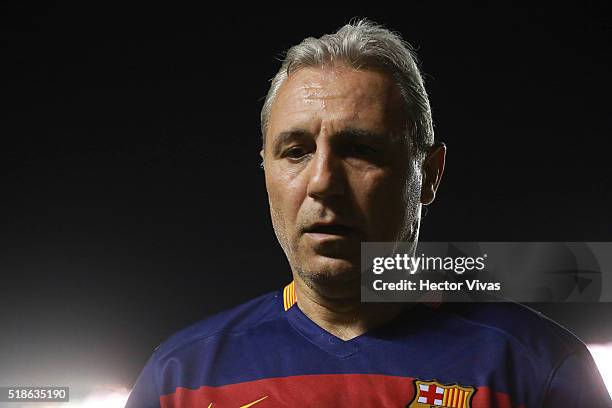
[312, 98]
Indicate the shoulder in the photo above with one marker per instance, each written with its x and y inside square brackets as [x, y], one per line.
[178, 361]
[232, 321]
[523, 327]
[542, 352]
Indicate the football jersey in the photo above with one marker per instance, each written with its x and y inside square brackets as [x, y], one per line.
[268, 353]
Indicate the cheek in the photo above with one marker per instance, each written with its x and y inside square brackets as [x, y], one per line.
[285, 195]
[378, 191]
[389, 203]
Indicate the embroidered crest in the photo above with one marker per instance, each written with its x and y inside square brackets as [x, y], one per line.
[432, 394]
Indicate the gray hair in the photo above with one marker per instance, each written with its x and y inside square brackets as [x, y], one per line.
[362, 44]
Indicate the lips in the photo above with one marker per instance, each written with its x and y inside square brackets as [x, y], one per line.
[330, 229]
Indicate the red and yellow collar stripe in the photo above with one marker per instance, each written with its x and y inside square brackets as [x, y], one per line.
[289, 298]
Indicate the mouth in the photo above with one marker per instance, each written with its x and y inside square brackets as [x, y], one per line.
[330, 229]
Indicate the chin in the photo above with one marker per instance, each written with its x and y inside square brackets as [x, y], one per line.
[331, 274]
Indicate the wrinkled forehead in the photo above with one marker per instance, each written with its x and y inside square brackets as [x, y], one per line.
[338, 96]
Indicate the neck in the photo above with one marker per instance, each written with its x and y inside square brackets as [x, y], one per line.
[345, 317]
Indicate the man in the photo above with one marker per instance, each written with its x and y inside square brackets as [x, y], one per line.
[349, 157]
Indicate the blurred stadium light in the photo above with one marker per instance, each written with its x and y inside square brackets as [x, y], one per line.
[602, 354]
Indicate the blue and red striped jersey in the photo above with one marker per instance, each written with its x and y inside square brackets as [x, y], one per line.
[268, 353]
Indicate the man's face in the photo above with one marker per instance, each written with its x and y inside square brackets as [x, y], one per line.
[338, 169]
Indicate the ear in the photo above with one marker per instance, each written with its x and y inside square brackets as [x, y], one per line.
[432, 170]
[261, 153]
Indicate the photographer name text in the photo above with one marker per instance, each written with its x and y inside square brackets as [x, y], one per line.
[427, 285]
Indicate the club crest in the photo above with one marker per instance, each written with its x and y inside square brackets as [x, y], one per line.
[432, 394]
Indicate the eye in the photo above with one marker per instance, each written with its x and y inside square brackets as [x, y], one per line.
[295, 152]
[360, 150]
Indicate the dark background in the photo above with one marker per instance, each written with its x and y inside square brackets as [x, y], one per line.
[132, 203]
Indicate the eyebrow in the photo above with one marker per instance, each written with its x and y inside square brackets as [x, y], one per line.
[362, 135]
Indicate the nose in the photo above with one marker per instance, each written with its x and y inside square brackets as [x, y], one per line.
[326, 175]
